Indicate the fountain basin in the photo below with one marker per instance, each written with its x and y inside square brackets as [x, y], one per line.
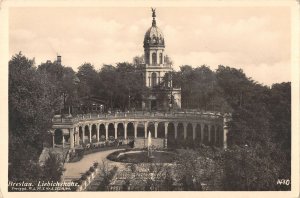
[141, 156]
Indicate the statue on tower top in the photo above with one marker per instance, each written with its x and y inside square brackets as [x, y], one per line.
[153, 15]
[153, 12]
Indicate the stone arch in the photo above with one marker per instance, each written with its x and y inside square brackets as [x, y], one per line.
[81, 134]
[86, 133]
[151, 128]
[58, 136]
[205, 138]
[94, 133]
[154, 58]
[120, 131]
[111, 130]
[141, 130]
[189, 131]
[130, 130]
[161, 130]
[102, 132]
[180, 131]
[171, 131]
[153, 79]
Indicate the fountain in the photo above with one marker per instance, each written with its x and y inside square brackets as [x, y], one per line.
[150, 149]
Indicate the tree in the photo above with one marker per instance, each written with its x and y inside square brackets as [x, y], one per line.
[53, 168]
[32, 101]
[89, 80]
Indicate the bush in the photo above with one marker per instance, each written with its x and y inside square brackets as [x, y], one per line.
[91, 169]
[52, 169]
[96, 164]
[79, 181]
[131, 144]
[83, 177]
[88, 173]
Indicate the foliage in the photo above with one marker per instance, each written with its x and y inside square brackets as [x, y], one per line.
[106, 174]
[53, 168]
[31, 106]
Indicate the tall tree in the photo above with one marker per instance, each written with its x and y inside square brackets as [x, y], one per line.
[31, 107]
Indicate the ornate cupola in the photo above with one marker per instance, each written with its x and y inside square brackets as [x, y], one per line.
[154, 44]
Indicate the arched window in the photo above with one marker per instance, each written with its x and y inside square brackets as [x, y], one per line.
[153, 79]
[154, 59]
[160, 58]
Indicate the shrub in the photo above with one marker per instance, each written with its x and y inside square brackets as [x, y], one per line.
[88, 173]
[79, 181]
[131, 144]
[83, 177]
[96, 164]
[91, 169]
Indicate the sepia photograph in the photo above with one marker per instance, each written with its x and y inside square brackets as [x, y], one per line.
[146, 97]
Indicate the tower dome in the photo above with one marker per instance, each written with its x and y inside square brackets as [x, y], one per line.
[154, 36]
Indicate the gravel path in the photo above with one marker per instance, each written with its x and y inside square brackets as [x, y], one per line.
[74, 170]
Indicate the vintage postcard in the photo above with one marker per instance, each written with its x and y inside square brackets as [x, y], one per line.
[188, 98]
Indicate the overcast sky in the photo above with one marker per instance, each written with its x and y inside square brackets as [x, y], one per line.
[255, 39]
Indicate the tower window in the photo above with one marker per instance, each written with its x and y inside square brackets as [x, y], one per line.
[153, 79]
[147, 58]
[154, 59]
[160, 58]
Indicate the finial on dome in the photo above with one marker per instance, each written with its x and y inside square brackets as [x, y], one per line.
[153, 15]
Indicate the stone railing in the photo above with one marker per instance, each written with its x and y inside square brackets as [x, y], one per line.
[88, 178]
[137, 115]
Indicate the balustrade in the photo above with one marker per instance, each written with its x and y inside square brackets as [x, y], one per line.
[142, 118]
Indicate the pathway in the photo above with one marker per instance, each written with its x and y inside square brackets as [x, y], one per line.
[74, 170]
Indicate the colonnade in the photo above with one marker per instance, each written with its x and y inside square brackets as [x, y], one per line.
[209, 131]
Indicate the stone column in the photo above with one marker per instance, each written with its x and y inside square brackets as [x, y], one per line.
[97, 127]
[71, 132]
[77, 135]
[194, 130]
[209, 133]
[145, 128]
[225, 130]
[63, 140]
[125, 130]
[202, 132]
[184, 130]
[135, 129]
[155, 129]
[116, 130]
[90, 133]
[166, 129]
[175, 126]
[106, 131]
